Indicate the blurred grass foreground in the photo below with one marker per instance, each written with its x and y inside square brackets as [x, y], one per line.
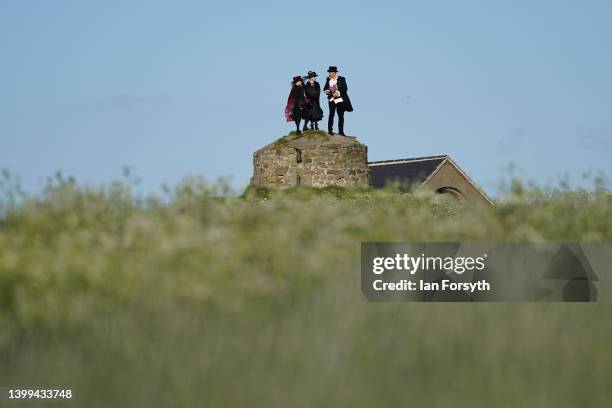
[207, 298]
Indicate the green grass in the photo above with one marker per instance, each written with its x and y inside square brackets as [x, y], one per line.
[202, 298]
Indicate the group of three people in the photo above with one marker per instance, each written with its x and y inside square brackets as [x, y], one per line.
[303, 102]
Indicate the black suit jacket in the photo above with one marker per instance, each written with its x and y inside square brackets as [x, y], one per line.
[342, 88]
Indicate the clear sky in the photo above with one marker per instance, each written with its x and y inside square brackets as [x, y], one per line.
[195, 87]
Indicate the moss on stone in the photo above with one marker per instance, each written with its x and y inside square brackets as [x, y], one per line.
[308, 134]
[315, 134]
[283, 141]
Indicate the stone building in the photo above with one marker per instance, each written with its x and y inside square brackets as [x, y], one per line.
[316, 159]
[312, 159]
[439, 174]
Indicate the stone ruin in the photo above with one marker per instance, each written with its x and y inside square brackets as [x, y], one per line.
[313, 159]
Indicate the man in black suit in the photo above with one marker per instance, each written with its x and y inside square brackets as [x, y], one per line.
[336, 91]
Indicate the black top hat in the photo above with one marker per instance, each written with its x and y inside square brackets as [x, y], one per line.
[297, 79]
[332, 69]
[312, 74]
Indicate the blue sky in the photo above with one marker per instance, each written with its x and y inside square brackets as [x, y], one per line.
[194, 88]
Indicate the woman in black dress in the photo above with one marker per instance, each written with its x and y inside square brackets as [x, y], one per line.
[296, 103]
[313, 112]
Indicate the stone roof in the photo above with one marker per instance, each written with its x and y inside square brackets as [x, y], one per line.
[415, 170]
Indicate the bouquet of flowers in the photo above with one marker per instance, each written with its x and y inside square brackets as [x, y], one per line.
[333, 94]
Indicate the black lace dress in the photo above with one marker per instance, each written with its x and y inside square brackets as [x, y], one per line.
[312, 109]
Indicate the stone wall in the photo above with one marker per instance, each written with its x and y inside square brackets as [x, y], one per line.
[311, 161]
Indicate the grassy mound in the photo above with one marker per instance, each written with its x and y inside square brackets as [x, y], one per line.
[308, 134]
[205, 298]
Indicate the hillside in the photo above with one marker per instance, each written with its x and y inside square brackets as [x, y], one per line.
[213, 300]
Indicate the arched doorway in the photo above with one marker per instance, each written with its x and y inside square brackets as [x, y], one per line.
[451, 191]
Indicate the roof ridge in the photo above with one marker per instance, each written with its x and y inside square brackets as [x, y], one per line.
[486, 196]
[441, 156]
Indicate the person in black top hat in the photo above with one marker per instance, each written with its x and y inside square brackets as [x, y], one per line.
[337, 96]
[313, 111]
[296, 103]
